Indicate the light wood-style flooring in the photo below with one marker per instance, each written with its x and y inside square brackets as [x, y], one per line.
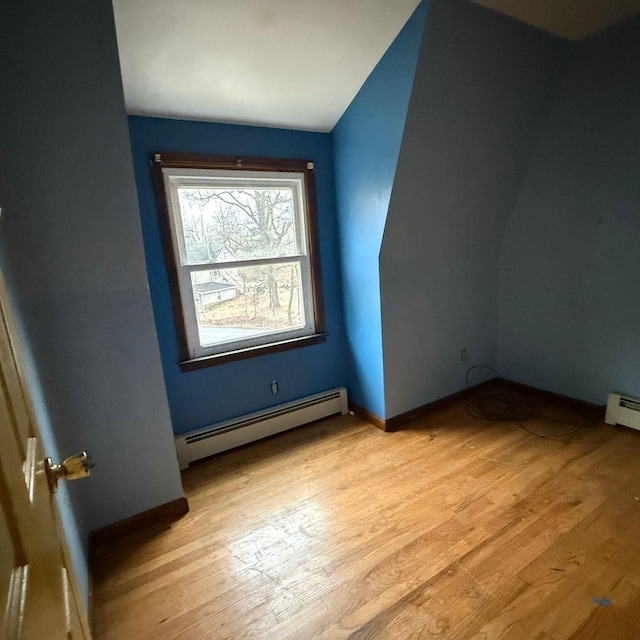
[450, 528]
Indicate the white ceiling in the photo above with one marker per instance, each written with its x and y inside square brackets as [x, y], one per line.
[281, 63]
[286, 63]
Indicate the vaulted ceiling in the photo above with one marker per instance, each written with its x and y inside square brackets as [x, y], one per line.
[287, 63]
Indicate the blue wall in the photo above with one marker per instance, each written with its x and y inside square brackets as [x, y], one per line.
[367, 142]
[199, 398]
[482, 91]
[72, 255]
[570, 273]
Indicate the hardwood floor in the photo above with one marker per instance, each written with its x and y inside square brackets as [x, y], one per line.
[452, 528]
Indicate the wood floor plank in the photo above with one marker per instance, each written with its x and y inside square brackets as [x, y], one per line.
[451, 528]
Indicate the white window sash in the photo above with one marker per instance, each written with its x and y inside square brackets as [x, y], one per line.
[295, 181]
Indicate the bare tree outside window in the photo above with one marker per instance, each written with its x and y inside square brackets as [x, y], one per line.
[227, 225]
[244, 265]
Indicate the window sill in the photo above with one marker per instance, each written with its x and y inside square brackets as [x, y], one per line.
[250, 352]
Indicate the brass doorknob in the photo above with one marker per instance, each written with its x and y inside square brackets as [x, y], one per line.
[73, 468]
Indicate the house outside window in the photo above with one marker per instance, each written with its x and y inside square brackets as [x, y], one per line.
[241, 253]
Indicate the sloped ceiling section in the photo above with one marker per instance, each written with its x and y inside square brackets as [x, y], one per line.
[280, 63]
[572, 19]
[287, 63]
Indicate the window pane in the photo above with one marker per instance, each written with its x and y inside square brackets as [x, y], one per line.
[238, 304]
[226, 224]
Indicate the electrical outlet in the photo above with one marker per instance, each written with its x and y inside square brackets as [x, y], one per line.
[274, 387]
[464, 356]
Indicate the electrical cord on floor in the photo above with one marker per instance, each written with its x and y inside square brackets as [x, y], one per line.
[500, 402]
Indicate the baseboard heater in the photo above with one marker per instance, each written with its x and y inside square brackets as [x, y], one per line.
[222, 436]
[623, 410]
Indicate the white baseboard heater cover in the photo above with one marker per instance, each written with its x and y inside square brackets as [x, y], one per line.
[222, 436]
[623, 410]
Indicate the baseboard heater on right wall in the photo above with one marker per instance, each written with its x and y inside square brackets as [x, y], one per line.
[623, 410]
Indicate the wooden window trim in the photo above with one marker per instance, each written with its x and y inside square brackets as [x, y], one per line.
[166, 160]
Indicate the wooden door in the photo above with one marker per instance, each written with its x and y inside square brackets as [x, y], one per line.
[38, 593]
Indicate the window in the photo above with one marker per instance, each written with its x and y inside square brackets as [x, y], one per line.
[240, 247]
